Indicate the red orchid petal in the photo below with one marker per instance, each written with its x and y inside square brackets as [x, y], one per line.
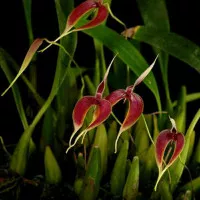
[179, 139]
[101, 113]
[79, 11]
[136, 106]
[163, 140]
[101, 16]
[116, 96]
[80, 110]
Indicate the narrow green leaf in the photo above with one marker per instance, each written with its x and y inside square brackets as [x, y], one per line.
[171, 43]
[191, 146]
[141, 137]
[28, 17]
[154, 13]
[165, 192]
[91, 182]
[48, 128]
[196, 157]
[190, 98]
[101, 141]
[149, 165]
[90, 85]
[119, 73]
[53, 173]
[180, 111]
[119, 170]
[32, 147]
[132, 182]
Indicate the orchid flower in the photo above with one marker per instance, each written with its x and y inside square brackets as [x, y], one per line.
[84, 8]
[164, 139]
[101, 13]
[136, 103]
[102, 110]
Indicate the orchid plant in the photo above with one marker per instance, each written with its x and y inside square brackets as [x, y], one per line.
[122, 155]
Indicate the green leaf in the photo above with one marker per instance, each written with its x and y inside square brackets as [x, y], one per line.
[165, 192]
[196, 156]
[119, 170]
[101, 141]
[91, 182]
[190, 98]
[48, 128]
[119, 73]
[142, 138]
[191, 146]
[90, 85]
[132, 182]
[154, 13]
[53, 173]
[180, 111]
[27, 10]
[171, 43]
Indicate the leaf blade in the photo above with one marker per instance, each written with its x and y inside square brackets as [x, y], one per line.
[172, 43]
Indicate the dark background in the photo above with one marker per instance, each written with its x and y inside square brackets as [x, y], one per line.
[184, 19]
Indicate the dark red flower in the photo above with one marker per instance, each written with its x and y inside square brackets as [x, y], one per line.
[136, 104]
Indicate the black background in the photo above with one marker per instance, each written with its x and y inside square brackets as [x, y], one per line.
[184, 19]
